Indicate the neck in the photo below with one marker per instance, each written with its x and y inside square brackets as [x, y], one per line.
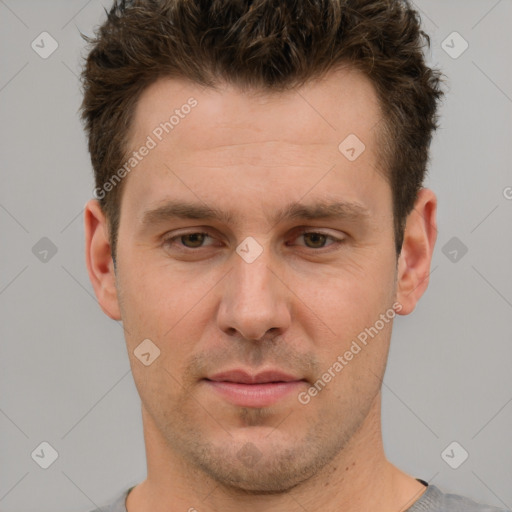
[359, 478]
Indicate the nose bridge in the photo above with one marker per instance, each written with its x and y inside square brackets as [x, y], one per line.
[253, 299]
[253, 279]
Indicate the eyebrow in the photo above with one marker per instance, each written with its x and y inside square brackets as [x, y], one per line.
[294, 211]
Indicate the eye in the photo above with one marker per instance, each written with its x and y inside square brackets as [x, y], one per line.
[196, 240]
[317, 239]
[188, 240]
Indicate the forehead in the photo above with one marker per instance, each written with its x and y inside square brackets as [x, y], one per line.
[221, 139]
[323, 111]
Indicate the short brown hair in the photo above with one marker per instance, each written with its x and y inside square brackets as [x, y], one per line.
[271, 45]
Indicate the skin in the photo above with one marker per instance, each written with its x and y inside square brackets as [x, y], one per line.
[297, 307]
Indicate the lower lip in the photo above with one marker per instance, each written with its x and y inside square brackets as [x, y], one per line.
[255, 395]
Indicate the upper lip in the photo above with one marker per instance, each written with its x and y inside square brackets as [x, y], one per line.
[243, 377]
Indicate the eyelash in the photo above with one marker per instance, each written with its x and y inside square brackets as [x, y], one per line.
[167, 242]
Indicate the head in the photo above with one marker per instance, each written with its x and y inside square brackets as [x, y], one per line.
[304, 126]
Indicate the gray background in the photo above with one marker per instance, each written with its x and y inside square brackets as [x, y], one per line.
[64, 372]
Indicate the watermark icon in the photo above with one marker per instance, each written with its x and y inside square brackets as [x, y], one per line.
[157, 135]
[249, 249]
[304, 397]
[351, 147]
[507, 193]
[249, 455]
[146, 352]
[454, 455]
[454, 45]
[454, 249]
[44, 250]
[45, 455]
[44, 45]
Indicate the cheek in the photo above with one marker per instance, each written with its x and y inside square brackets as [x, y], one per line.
[347, 304]
[344, 301]
[171, 303]
[163, 304]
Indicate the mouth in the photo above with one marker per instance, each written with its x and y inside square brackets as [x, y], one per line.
[262, 389]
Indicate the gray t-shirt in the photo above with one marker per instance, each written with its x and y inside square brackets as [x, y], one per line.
[432, 500]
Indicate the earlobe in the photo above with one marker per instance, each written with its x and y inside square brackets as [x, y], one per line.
[99, 260]
[418, 246]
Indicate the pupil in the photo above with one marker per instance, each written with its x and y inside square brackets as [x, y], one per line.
[195, 237]
[317, 237]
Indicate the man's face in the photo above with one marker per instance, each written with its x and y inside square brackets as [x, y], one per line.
[221, 317]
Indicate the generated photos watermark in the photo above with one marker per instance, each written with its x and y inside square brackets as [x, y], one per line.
[342, 361]
[152, 141]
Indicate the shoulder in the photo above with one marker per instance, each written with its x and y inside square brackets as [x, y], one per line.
[434, 500]
[118, 504]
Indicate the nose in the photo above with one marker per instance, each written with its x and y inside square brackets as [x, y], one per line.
[254, 300]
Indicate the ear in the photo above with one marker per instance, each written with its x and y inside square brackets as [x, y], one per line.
[416, 255]
[99, 259]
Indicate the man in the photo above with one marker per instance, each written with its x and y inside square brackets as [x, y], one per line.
[259, 221]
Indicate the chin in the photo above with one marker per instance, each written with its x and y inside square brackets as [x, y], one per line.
[260, 468]
[239, 479]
